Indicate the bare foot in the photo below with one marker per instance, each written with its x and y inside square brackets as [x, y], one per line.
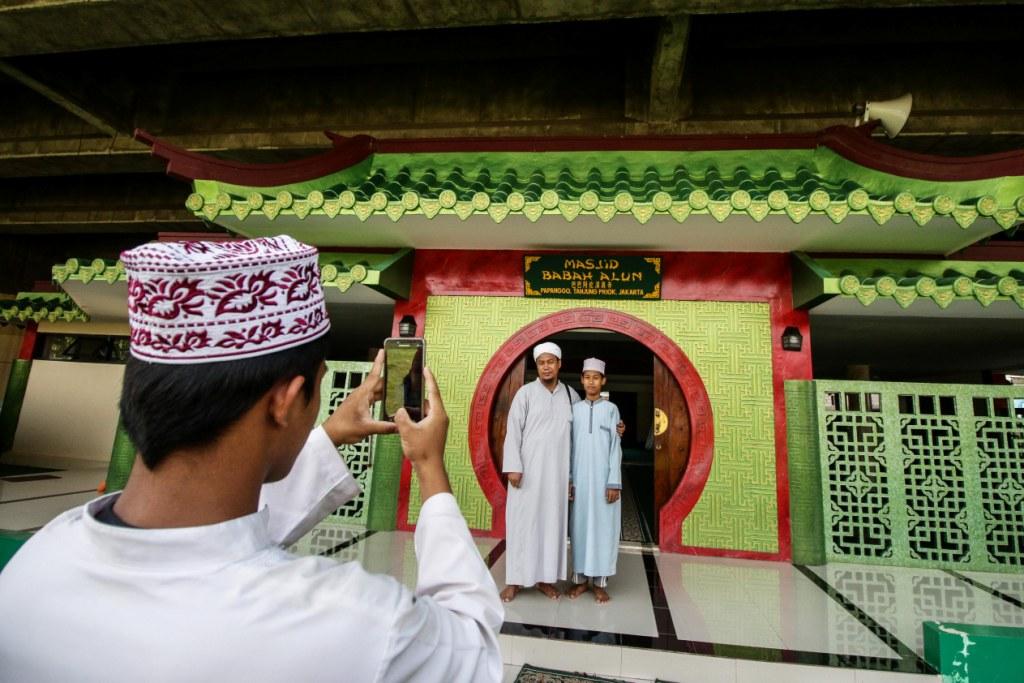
[577, 590]
[601, 595]
[509, 594]
[548, 590]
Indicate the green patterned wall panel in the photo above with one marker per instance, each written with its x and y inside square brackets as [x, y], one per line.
[341, 378]
[386, 474]
[805, 514]
[728, 343]
[925, 475]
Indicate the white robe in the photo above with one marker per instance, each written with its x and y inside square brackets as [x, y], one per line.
[537, 444]
[596, 467]
[88, 601]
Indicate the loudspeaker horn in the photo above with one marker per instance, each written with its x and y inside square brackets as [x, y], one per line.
[892, 114]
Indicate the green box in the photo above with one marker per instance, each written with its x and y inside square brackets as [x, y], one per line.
[969, 653]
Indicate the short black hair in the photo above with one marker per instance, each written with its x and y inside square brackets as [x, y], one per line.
[168, 407]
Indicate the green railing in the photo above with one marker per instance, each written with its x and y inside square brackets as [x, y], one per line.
[920, 475]
[375, 462]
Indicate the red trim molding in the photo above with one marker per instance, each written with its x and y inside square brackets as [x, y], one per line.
[702, 439]
[188, 166]
[28, 340]
[856, 145]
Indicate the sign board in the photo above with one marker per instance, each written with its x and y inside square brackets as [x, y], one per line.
[592, 277]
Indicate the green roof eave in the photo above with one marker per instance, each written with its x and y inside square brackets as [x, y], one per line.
[40, 306]
[816, 280]
[390, 274]
[86, 271]
[755, 183]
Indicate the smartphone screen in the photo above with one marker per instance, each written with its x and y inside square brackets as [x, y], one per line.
[403, 377]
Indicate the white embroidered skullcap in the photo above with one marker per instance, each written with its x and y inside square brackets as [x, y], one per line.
[593, 364]
[202, 302]
[547, 347]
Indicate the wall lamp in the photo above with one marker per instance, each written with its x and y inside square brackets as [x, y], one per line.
[792, 340]
[407, 326]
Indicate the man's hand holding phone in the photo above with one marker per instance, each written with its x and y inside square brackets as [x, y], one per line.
[423, 442]
[353, 420]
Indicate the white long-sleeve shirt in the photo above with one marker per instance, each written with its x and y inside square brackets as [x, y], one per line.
[88, 601]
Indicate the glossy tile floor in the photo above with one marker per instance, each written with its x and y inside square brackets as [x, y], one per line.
[673, 617]
[682, 618]
[28, 502]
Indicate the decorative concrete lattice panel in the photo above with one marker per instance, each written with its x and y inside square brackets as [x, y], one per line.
[728, 343]
[936, 504]
[341, 378]
[857, 504]
[1000, 442]
[925, 475]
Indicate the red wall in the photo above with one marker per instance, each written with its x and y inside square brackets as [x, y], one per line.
[685, 276]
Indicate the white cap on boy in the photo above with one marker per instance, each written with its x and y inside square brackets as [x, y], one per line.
[203, 302]
[593, 364]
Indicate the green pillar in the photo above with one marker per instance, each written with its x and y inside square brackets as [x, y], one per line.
[806, 516]
[13, 398]
[122, 456]
[386, 474]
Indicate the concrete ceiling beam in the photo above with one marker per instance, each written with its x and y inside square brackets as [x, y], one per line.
[84, 155]
[100, 116]
[666, 103]
[32, 27]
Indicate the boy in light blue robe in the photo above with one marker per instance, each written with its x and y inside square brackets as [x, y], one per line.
[596, 482]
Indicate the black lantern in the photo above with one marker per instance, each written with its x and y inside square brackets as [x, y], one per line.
[407, 326]
[792, 340]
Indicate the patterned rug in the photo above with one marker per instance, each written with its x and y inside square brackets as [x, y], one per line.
[535, 674]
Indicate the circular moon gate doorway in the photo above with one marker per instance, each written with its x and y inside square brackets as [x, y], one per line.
[679, 372]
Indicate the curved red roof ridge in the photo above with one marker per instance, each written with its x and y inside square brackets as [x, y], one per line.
[851, 144]
[186, 165]
[854, 144]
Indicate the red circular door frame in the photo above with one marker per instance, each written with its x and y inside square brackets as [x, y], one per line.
[702, 433]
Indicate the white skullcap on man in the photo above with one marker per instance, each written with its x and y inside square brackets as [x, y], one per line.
[203, 302]
[547, 347]
[593, 364]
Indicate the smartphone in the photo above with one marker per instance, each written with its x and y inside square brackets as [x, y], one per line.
[403, 376]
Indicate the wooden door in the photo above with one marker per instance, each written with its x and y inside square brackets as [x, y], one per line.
[499, 418]
[671, 436]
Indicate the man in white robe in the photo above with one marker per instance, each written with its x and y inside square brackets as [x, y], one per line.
[182, 576]
[536, 459]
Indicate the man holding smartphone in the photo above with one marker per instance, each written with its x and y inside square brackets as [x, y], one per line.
[182, 576]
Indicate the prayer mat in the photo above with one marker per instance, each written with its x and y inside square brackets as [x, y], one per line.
[535, 674]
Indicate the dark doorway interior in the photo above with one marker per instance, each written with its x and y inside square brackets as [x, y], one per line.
[630, 387]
